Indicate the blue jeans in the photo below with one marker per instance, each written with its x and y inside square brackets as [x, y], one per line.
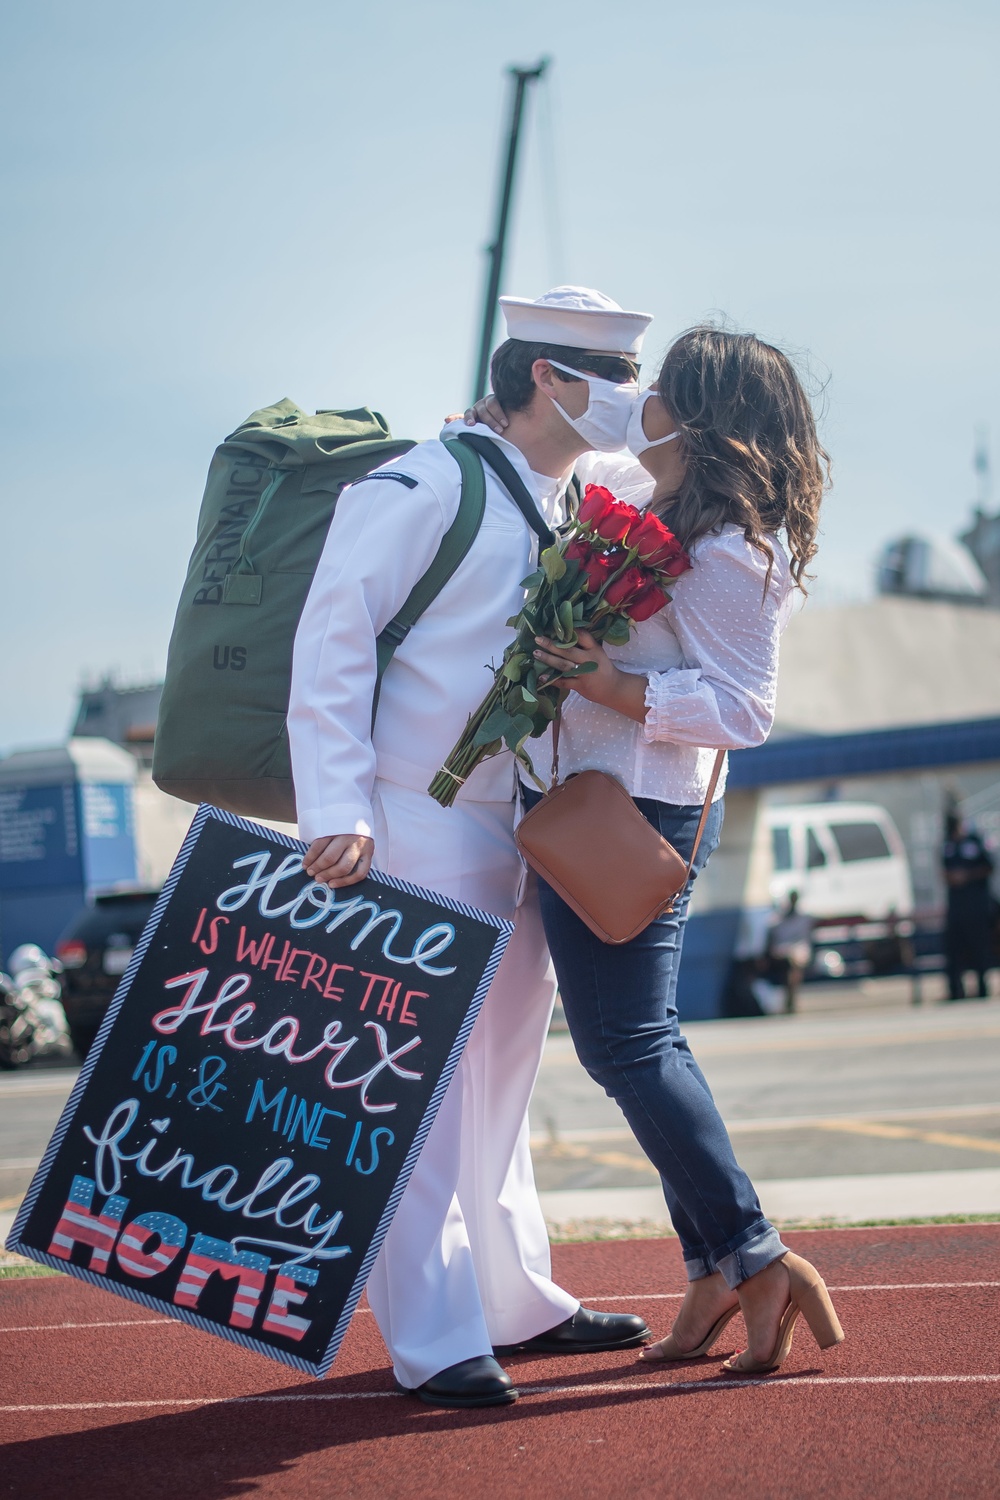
[621, 1009]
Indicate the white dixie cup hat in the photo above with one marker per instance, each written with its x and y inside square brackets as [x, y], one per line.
[576, 317]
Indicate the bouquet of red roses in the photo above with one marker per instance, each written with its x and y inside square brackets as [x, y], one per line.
[613, 566]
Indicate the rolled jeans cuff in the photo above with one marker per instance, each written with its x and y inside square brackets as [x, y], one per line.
[756, 1249]
[696, 1266]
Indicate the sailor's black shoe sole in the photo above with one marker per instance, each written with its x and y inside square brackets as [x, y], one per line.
[500, 1398]
[586, 1332]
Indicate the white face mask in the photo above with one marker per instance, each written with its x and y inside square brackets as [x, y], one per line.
[636, 440]
[605, 423]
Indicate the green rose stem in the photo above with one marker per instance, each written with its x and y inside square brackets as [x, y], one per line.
[466, 755]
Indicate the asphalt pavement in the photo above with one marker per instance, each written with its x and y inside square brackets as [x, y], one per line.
[862, 1106]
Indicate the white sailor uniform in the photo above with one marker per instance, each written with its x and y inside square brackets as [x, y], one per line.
[466, 1263]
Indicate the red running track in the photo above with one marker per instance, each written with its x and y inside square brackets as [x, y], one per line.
[101, 1399]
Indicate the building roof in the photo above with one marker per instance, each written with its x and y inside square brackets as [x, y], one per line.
[886, 663]
[873, 752]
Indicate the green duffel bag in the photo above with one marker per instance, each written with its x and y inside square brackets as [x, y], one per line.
[272, 488]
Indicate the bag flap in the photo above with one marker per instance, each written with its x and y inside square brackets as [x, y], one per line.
[591, 843]
[288, 436]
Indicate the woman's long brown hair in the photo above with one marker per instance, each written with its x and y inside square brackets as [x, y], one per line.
[750, 444]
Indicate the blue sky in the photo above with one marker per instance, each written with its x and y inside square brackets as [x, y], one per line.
[214, 205]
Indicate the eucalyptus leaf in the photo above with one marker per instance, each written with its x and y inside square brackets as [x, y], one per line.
[525, 760]
[494, 728]
[567, 633]
[519, 728]
[482, 741]
[553, 563]
[618, 633]
[569, 584]
[533, 579]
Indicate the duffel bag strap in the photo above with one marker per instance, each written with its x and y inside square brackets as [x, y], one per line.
[454, 547]
[512, 482]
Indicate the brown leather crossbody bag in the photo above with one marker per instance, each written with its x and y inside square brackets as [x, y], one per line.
[590, 842]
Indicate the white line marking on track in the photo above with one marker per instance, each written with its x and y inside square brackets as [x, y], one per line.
[117, 1323]
[711, 1384]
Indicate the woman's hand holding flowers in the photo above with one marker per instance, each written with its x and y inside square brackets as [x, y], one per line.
[602, 682]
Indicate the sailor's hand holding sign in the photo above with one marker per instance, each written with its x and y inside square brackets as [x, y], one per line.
[343, 859]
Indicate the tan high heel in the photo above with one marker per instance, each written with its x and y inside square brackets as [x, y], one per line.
[807, 1295]
[668, 1349]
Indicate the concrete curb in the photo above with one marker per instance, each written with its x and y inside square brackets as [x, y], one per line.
[846, 1200]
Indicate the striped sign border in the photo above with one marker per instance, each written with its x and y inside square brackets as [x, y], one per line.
[205, 812]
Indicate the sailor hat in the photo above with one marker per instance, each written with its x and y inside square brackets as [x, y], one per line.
[578, 318]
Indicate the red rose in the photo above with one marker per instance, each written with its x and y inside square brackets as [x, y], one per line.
[596, 502]
[676, 566]
[625, 588]
[649, 535]
[598, 569]
[647, 602]
[655, 543]
[595, 566]
[615, 524]
[603, 514]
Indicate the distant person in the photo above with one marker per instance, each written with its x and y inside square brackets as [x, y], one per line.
[789, 949]
[968, 942]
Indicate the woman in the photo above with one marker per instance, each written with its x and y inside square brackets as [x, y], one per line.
[729, 440]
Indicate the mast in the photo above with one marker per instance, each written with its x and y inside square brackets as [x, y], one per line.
[522, 78]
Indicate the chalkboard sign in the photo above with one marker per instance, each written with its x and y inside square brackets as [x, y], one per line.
[236, 1145]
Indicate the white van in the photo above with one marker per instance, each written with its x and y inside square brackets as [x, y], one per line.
[845, 859]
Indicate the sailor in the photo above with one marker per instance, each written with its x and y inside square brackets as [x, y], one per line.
[464, 1272]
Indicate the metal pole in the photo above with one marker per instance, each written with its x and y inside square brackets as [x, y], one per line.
[522, 77]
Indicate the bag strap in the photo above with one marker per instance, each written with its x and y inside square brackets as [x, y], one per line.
[243, 584]
[713, 782]
[512, 483]
[454, 547]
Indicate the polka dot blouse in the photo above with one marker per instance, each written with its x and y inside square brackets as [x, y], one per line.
[710, 659]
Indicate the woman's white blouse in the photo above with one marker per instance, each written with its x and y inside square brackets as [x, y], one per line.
[710, 658]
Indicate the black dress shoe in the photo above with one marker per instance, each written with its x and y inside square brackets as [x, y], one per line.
[472, 1382]
[585, 1332]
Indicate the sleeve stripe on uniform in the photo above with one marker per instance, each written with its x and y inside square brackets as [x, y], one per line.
[406, 479]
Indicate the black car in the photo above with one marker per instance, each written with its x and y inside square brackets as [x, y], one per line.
[94, 951]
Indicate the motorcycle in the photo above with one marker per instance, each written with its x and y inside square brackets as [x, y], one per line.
[17, 1031]
[32, 1020]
